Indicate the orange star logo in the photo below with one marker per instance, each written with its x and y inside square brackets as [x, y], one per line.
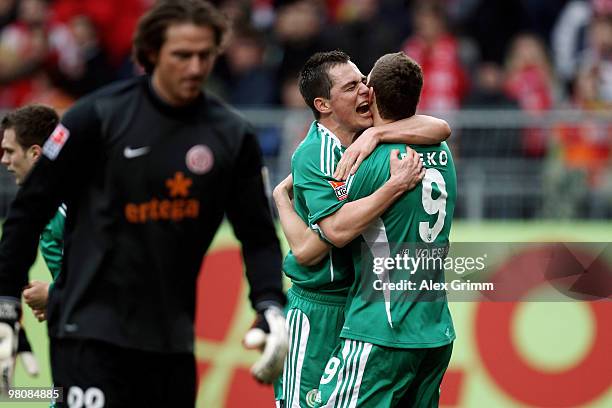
[179, 185]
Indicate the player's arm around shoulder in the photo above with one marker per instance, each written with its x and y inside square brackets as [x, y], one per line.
[417, 129]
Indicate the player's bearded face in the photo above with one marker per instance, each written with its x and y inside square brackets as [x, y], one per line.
[184, 62]
[349, 98]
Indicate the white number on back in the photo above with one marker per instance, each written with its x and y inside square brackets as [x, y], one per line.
[433, 206]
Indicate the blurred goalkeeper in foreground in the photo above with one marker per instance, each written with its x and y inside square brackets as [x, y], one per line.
[148, 168]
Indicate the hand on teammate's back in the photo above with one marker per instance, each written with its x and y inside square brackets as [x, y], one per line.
[356, 153]
[407, 171]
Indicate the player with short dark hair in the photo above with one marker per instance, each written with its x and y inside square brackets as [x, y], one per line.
[396, 343]
[315, 82]
[148, 168]
[24, 131]
[395, 72]
[30, 126]
[334, 89]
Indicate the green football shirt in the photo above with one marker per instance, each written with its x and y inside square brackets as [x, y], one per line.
[52, 242]
[384, 308]
[316, 194]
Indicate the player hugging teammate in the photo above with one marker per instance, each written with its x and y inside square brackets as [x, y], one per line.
[372, 358]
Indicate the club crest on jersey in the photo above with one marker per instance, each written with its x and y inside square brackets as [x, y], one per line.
[313, 397]
[340, 189]
[199, 159]
[55, 142]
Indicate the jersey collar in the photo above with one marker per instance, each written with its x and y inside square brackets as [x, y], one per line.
[325, 131]
[189, 110]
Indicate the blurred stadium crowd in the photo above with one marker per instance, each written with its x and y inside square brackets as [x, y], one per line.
[525, 56]
[529, 54]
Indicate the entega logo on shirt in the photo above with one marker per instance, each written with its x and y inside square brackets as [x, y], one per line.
[177, 208]
[340, 189]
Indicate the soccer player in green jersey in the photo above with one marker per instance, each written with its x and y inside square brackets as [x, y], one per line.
[24, 132]
[398, 333]
[334, 89]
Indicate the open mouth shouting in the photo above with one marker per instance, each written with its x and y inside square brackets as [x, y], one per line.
[363, 109]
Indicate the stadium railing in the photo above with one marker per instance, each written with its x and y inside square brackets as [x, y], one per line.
[510, 164]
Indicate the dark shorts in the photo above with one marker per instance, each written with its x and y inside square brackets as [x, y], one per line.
[96, 374]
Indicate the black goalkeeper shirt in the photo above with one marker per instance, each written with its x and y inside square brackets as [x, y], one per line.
[146, 185]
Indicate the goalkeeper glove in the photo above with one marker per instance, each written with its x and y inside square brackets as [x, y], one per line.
[13, 341]
[24, 351]
[10, 312]
[269, 335]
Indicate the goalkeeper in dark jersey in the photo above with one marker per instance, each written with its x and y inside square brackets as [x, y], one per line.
[147, 168]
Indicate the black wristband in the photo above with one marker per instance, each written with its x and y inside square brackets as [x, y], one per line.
[261, 307]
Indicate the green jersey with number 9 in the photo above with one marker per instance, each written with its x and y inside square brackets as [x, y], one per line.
[398, 298]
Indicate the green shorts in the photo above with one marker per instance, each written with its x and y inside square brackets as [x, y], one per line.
[369, 376]
[314, 322]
